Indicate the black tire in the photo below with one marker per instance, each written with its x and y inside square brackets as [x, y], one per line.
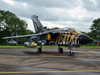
[69, 54]
[39, 50]
[60, 50]
[72, 53]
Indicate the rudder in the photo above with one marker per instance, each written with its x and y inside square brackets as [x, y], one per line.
[37, 24]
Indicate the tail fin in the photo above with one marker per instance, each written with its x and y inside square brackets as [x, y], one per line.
[37, 25]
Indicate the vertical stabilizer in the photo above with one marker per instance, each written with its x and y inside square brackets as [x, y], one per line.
[37, 25]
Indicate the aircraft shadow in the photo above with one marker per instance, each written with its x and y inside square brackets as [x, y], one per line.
[44, 52]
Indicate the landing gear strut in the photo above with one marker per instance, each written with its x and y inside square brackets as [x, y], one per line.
[39, 50]
[60, 50]
[70, 53]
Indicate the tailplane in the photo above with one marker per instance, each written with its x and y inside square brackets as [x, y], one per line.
[37, 25]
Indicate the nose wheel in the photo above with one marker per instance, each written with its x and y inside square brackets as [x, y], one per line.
[70, 53]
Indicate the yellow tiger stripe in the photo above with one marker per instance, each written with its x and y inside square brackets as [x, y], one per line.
[73, 35]
[58, 37]
[68, 36]
[65, 37]
[62, 35]
[77, 37]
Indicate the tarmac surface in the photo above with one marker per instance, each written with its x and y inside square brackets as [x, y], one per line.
[50, 62]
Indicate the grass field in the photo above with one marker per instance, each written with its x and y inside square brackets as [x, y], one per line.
[9, 46]
[90, 47]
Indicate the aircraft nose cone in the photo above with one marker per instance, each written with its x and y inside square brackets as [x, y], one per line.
[84, 39]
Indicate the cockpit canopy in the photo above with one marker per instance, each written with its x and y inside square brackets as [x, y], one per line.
[73, 30]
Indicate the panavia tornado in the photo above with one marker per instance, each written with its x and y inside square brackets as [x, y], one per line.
[70, 37]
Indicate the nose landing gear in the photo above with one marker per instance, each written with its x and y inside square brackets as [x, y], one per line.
[70, 53]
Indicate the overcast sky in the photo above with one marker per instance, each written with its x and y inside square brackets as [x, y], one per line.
[55, 13]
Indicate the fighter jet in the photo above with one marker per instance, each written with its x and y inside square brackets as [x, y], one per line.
[70, 37]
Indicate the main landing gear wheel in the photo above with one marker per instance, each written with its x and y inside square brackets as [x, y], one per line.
[70, 53]
[39, 50]
[60, 50]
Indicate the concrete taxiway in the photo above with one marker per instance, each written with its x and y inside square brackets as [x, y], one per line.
[50, 62]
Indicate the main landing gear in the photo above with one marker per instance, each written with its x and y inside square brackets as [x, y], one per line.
[60, 50]
[39, 49]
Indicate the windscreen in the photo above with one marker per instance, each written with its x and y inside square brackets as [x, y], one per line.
[74, 29]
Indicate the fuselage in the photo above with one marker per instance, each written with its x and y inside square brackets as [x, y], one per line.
[62, 37]
[69, 36]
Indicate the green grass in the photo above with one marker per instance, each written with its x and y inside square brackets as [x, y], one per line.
[90, 47]
[10, 46]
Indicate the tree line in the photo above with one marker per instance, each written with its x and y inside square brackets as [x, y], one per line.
[11, 25]
[95, 30]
